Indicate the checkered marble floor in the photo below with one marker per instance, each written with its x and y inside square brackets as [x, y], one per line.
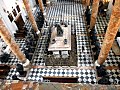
[39, 58]
[11, 73]
[84, 76]
[112, 60]
[84, 51]
[101, 24]
[114, 76]
[100, 38]
[57, 12]
[72, 13]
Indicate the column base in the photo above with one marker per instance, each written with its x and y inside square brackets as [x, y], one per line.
[48, 2]
[26, 65]
[44, 13]
[38, 32]
[97, 64]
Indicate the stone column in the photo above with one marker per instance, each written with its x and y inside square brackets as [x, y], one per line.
[6, 36]
[84, 2]
[41, 5]
[111, 32]
[88, 2]
[95, 6]
[30, 15]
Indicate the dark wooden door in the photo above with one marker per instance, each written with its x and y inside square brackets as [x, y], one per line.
[44, 1]
[36, 1]
[19, 22]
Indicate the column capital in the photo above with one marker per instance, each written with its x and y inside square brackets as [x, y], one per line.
[44, 13]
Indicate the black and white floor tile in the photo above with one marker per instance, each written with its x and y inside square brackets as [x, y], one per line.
[84, 76]
[11, 73]
[112, 60]
[72, 13]
[101, 24]
[100, 38]
[114, 76]
[12, 60]
[84, 51]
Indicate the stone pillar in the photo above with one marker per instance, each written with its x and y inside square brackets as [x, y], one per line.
[6, 36]
[88, 2]
[95, 6]
[84, 2]
[30, 15]
[111, 32]
[41, 5]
